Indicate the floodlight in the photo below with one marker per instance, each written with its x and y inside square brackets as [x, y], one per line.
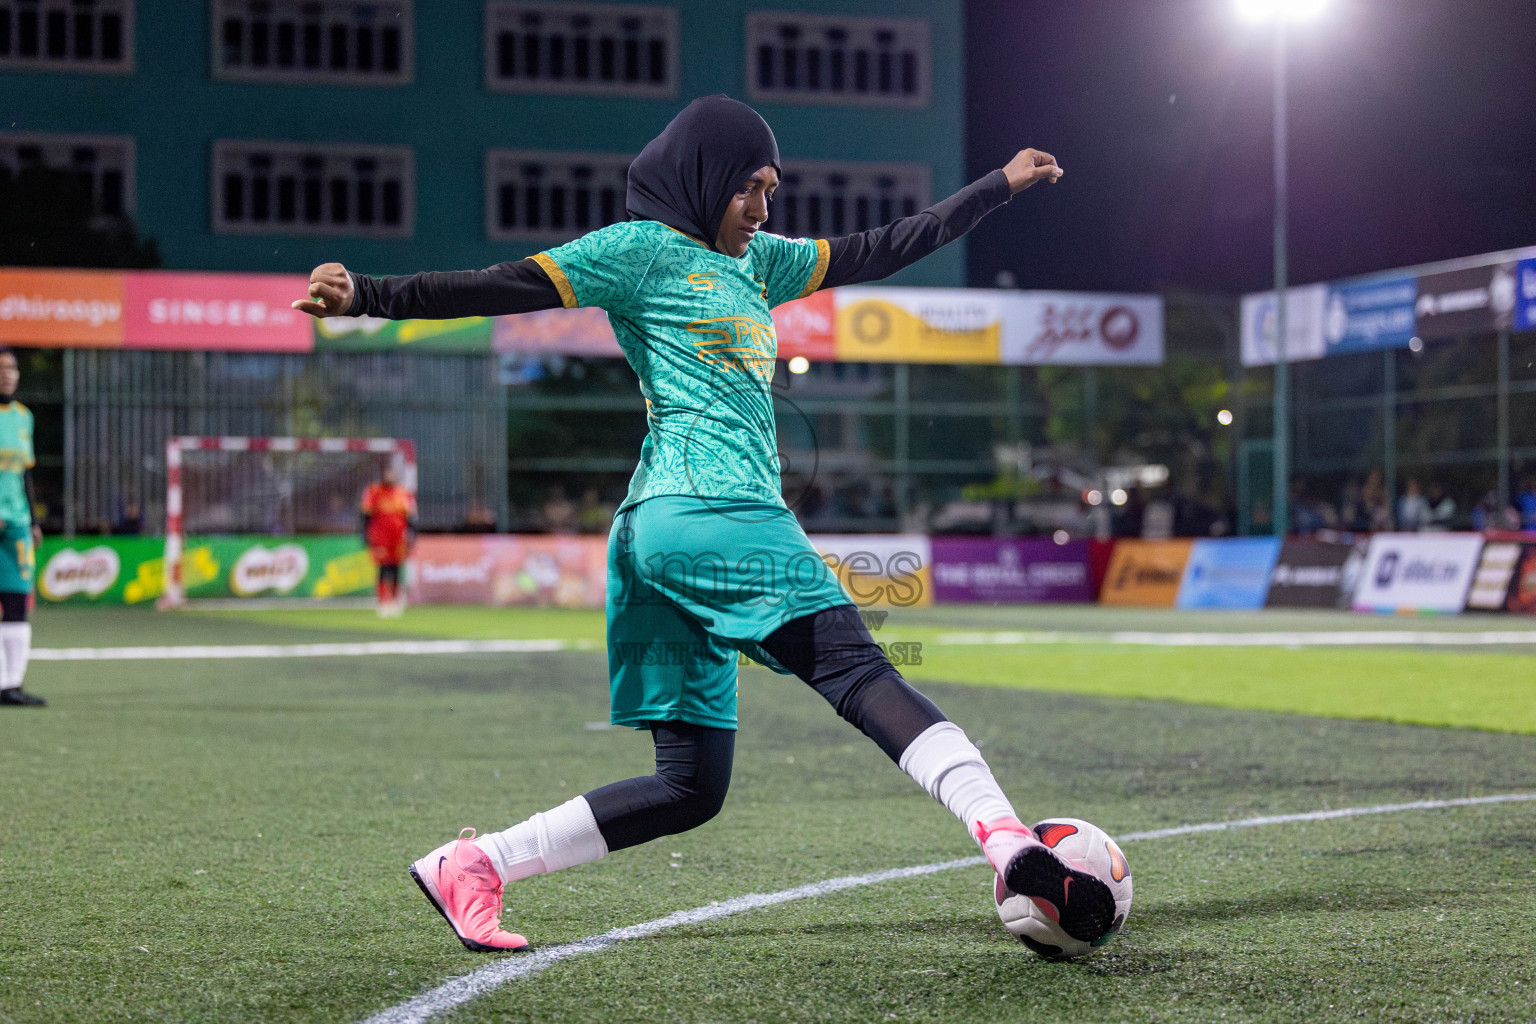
[1224, 417]
[1094, 497]
[1061, 536]
[799, 364]
[1289, 10]
[1118, 496]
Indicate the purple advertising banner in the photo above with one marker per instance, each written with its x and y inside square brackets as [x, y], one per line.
[1024, 571]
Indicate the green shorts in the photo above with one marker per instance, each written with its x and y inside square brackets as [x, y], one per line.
[693, 582]
[17, 559]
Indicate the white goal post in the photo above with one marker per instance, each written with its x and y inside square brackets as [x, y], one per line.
[268, 485]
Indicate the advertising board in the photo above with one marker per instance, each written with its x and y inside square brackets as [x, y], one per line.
[1370, 315]
[131, 570]
[919, 325]
[1228, 572]
[1315, 574]
[892, 570]
[74, 308]
[371, 334]
[216, 312]
[1495, 572]
[509, 569]
[1145, 573]
[1303, 325]
[1525, 295]
[1463, 301]
[1022, 571]
[1424, 572]
[1522, 589]
[1082, 329]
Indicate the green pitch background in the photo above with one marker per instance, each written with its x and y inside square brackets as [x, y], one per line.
[225, 840]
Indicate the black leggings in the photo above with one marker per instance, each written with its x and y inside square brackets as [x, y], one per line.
[833, 652]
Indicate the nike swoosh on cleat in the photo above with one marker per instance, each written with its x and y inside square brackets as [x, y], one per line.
[1066, 890]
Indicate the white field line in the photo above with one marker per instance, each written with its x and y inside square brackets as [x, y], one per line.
[499, 972]
[1318, 638]
[336, 650]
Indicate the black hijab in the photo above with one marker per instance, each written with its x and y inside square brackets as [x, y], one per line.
[685, 177]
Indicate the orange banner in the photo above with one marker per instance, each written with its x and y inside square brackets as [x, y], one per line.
[61, 308]
[1145, 573]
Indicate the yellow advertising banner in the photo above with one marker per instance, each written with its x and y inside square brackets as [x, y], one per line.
[918, 325]
[1145, 573]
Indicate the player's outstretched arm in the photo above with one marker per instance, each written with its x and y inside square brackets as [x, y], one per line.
[520, 286]
[881, 252]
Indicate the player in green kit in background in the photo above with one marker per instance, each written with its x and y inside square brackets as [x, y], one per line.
[705, 560]
[18, 546]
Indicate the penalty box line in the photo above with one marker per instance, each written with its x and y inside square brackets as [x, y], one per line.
[462, 989]
[1314, 638]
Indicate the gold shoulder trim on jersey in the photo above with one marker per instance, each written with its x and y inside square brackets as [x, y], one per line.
[562, 283]
[685, 234]
[819, 274]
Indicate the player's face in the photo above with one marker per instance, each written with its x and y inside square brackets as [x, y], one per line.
[747, 212]
[389, 477]
[10, 374]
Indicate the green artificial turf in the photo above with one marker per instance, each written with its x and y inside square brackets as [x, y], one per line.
[190, 841]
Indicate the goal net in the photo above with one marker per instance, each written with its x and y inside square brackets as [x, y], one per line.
[272, 486]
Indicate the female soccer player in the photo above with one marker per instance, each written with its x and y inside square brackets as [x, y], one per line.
[705, 559]
[19, 538]
[388, 515]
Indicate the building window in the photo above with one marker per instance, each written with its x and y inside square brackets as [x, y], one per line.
[586, 49]
[533, 194]
[812, 58]
[66, 35]
[825, 199]
[285, 188]
[354, 42]
[541, 195]
[101, 164]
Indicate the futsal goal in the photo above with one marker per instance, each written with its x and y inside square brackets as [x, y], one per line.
[268, 486]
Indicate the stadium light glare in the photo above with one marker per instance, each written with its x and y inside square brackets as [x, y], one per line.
[1289, 10]
[1415, 344]
[1224, 417]
[1061, 536]
[1094, 497]
[1118, 496]
[799, 364]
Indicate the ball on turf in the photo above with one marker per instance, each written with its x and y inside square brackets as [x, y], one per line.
[1089, 848]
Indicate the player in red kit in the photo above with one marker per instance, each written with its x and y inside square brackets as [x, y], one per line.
[389, 529]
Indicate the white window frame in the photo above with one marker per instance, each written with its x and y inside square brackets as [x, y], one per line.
[502, 14]
[333, 12]
[228, 151]
[613, 166]
[916, 32]
[63, 145]
[42, 62]
[914, 180]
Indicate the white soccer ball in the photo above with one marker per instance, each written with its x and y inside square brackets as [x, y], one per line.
[1089, 848]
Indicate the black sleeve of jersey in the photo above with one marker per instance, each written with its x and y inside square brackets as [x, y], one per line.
[880, 252]
[519, 286]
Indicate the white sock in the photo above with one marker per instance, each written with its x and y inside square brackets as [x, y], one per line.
[16, 645]
[948, 765]
[562, 837]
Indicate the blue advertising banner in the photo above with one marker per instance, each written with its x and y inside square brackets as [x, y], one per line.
[1230, 572]
[1525, 296]
[1371, 316]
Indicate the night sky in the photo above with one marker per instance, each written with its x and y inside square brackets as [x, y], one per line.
[1412, 138]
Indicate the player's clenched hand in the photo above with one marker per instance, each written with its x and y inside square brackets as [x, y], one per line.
[1028, 167]
[330, 291]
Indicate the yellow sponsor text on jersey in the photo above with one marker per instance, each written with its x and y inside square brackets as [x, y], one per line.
[703, 282]
[736, 343]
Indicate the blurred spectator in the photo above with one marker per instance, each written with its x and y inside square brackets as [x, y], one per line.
[1442, 509]
[131, 522]
[1525, 501]
[1308, 514]
[1354, 514]
[1412, 508]
[559, 513]
[479, 519]
[1373, 496]
[594, 516]
[1493, 514]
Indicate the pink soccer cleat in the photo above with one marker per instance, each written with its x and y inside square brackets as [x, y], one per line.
[1085, 908]
[462, 884]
